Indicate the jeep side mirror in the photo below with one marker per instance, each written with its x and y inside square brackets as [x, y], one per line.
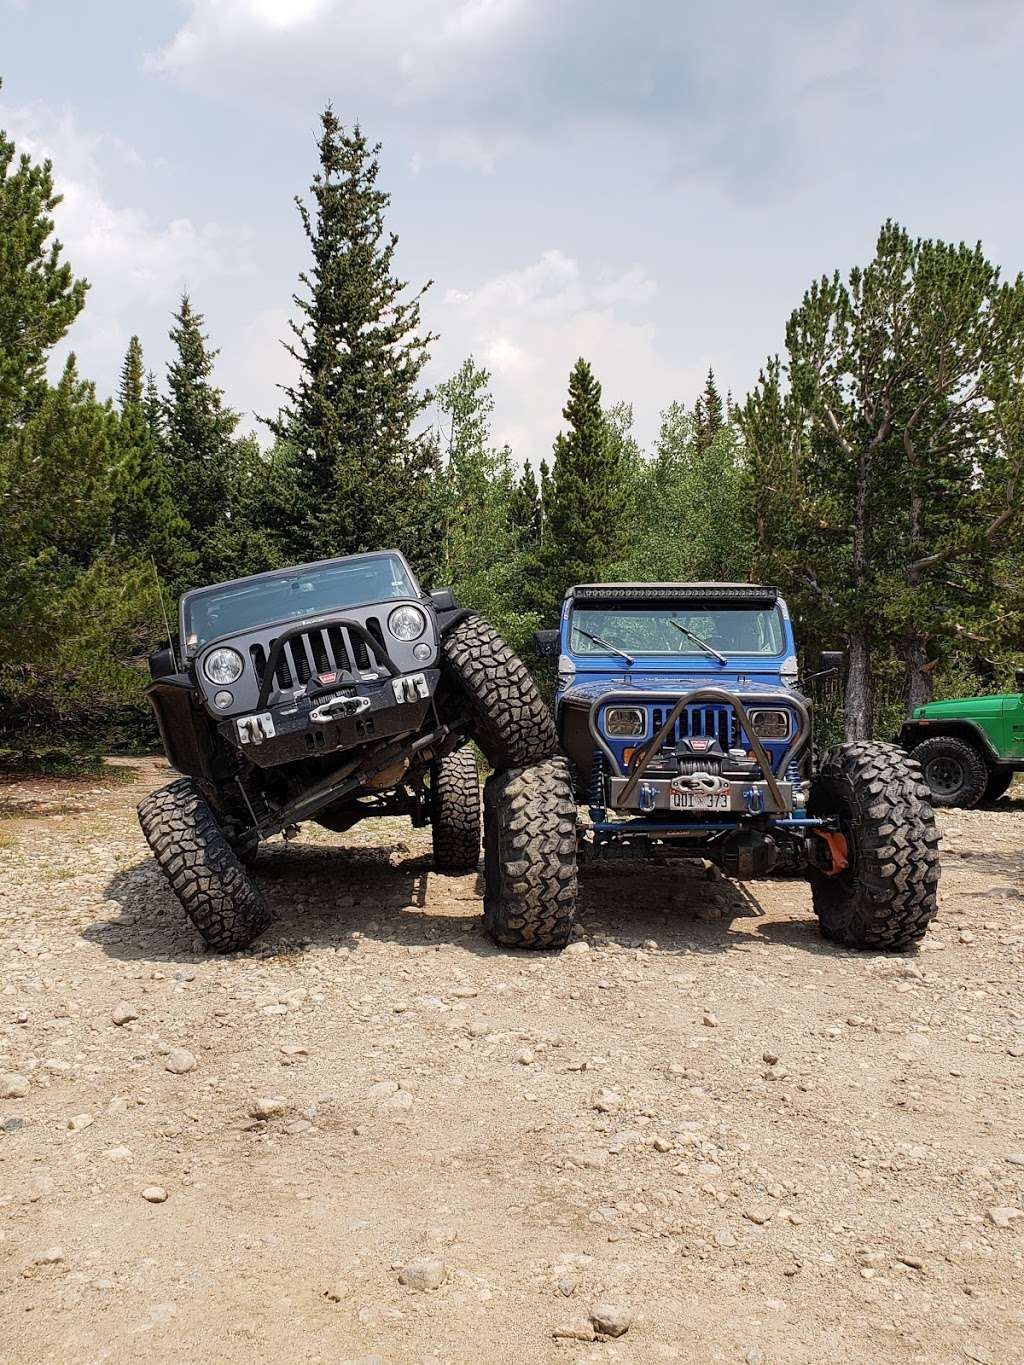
[1018, 679]
[546, 643]
[162, 664]
[830, 663]
[443, 599]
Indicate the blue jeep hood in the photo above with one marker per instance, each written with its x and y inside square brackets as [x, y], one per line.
[589, 689]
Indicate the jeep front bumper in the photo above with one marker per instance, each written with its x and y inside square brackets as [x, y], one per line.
[329, 722]
[681, 796]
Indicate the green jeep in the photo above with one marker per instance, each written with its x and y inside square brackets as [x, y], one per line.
[968, 749]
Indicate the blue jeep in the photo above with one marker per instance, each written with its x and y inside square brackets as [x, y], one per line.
[679, 708]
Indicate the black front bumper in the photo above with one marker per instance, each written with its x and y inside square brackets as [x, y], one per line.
[288, 732]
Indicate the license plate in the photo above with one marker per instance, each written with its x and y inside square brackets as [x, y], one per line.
[699, 800]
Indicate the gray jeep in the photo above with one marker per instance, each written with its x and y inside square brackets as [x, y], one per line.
[334, 692]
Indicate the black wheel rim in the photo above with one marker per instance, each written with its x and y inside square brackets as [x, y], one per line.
[944, 775]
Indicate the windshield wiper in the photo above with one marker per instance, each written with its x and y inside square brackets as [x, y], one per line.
[614, 648]
[708, 649]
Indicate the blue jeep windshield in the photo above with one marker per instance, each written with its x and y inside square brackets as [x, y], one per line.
[649, 630]
[292, 595]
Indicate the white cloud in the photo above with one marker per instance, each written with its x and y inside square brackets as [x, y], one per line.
[529, 325]
[133, 262]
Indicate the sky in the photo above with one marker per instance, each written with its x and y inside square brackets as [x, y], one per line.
[652, 185]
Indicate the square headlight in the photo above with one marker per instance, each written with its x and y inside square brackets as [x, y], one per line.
[770, 724]
[625, 722]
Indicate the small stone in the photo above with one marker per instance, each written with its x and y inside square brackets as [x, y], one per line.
[381, 1090]
[463, 992]
[51, 1256]
[710, 1020]
[525, 1056]
[568, 1284]
[966, 936]
[607, 1101]
[579, 948]
[758, 1216]
[293, 1052]
[611, 1319]
[769, 1058]
[661, 1144]
[298, 1126]
[154, 1194]
[422, 1275]
[480, 1028]
[755, 1356]
[574, 1331]
[338, 1292]
[123, 1014]
[777, 1072]
[78, 1122]
[1004, 1217]
[267, 1107]
[723, 1238]
[118, 1153]
[13, 1086]
[1016, 1158]
[179, 1061]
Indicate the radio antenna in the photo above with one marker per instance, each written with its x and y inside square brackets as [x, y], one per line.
[163, 610]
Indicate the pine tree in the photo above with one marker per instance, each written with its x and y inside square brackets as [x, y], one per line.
[131, 393]
[524, 510]
[584, 532]
[708, 415]
[198, 437]
[363, 473]
[152, 405]
[39, 295]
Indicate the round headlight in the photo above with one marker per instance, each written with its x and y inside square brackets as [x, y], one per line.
[223, 665]
[407, 623]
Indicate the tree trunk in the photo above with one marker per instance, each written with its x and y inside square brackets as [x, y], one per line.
[858, 687]
[920, 682]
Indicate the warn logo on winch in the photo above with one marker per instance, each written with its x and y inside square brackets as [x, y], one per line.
[701, 746]
[326, 678]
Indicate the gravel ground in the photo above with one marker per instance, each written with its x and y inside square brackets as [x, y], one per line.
[378, 1137]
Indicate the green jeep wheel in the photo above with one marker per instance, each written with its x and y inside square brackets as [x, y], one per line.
[954, 771]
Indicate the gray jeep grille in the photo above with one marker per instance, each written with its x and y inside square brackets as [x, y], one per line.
[331, 649]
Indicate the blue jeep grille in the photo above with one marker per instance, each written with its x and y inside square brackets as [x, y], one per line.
[713, 722]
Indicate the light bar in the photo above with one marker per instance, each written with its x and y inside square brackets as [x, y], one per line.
[669, 592]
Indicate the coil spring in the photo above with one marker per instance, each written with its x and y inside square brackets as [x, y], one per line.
[597, 779]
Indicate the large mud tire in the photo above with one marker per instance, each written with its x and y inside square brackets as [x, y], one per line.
[215, 890]
[455, 812]
[887, 896]
[954, 771]
[511, 723]
[530, 856]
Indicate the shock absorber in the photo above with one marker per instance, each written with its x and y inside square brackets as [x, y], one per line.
[597, 807]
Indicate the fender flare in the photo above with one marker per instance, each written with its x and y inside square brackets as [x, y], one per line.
[913, 733]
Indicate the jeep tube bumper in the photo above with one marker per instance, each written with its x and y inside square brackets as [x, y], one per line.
[329, 721]
[685, 797]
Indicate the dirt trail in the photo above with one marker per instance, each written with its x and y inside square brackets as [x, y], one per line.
[762, 1148]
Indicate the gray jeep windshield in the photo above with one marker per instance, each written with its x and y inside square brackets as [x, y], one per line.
[291, 595]
[650, 630]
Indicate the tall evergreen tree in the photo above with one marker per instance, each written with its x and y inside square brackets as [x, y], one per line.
[708, 415]
[152, 405]
[887, 455]
[524, 510]
[584, 531]
[39, 294]
[131, 391]
[198, 440]
[362, 470]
